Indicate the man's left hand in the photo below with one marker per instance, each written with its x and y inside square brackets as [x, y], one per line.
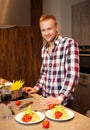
[50, 100]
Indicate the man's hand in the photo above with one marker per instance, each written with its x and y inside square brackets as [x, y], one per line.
[29, 90]
[51, 100]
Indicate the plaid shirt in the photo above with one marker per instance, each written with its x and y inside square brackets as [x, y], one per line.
[60, 70]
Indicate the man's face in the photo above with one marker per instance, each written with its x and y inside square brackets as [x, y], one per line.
[48, 30]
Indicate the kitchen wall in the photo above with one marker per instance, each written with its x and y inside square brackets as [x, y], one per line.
[15, 12]
[62, 10]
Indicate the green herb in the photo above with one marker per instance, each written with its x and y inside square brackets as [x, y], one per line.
[28, 111]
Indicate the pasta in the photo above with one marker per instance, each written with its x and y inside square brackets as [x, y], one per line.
[65, 115]
[35, 117]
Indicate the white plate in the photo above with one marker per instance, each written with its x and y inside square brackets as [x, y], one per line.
[70, 113]
[18, 118]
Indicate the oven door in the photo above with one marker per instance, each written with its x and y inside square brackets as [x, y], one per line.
[85, 63]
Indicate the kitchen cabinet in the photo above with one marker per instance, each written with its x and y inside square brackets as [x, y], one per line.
[81, 22]
[82, 94]
[20, 49]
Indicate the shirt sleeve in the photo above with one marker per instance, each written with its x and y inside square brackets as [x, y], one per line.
[39, 84]
[71, 68]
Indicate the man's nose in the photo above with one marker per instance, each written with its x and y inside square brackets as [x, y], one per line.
[46, 32]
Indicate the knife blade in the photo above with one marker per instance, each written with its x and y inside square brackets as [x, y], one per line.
[46, 109]
[12, 111]
[25, 105]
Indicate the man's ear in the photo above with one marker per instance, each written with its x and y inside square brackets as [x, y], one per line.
[57, 28]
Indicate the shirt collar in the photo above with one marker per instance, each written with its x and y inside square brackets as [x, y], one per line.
[57, 41]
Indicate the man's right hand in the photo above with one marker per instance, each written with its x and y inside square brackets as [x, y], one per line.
[29, 90]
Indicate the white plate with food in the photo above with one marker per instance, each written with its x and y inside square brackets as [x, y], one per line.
[38, 117]
[67, 114]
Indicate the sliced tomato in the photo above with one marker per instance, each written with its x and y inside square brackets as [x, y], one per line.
[18, 102]
[58, 114]
[26, 118]
[51, 106]
[46, 124]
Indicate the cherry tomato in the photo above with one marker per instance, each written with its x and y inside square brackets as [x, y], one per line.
[58, 114]
[46, 124]
[51, 106]
[18, 102]
[26, 118]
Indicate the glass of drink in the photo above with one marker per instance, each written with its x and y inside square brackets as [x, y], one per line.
[6, 99]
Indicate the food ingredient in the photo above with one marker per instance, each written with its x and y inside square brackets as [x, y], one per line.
[18, 102]
[16, 85]
[26, 118]
[51, 106]
[29, 115]
[58, 114]
[46, 124]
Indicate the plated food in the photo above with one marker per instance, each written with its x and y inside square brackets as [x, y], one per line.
[59, 113]
[29, 117]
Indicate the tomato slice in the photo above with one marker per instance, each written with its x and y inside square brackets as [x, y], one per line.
[46, 124]
[51, 106]
[58, 114]
[26, 118]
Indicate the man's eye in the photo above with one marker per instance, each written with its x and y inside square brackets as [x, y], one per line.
[42, 30]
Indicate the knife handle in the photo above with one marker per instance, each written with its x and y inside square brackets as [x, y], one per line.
[26, 104]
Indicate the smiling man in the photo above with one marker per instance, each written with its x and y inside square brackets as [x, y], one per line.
[60, 65]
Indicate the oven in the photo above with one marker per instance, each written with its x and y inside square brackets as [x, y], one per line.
[84, 53]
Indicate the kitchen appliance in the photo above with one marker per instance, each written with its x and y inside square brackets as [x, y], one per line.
[84, 53]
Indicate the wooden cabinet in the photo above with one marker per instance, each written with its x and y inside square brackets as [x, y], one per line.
[20, 49]
[82, 94]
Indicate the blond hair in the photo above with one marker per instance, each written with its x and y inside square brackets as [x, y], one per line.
[47, 17]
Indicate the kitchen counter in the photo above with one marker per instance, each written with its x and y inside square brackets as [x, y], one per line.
[79, 122]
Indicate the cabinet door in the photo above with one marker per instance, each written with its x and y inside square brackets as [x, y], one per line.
[82, 94]
[81, 22]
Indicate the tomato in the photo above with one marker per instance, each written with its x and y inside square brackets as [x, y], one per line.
[46, 124]
[18, 102]
[51, 106]
[58, 114]
[26, 118]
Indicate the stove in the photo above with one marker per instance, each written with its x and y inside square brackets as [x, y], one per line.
[84, 53]
[84, 49]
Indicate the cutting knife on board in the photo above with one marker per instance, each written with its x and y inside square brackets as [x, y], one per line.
[25, 105]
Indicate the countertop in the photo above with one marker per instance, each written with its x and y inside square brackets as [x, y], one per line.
[79, 122]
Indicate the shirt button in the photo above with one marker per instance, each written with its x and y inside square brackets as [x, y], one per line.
[49, 80]
[48, 87]
[49, 72]
[50, 65]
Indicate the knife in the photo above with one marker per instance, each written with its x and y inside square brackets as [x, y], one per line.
[12, 111]
[25, 105]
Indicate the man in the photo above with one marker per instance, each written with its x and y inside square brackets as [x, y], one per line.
[60, 65]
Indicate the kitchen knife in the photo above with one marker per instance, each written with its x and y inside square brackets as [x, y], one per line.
[25, 105]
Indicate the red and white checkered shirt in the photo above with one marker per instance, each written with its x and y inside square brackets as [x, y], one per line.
[60, 70]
